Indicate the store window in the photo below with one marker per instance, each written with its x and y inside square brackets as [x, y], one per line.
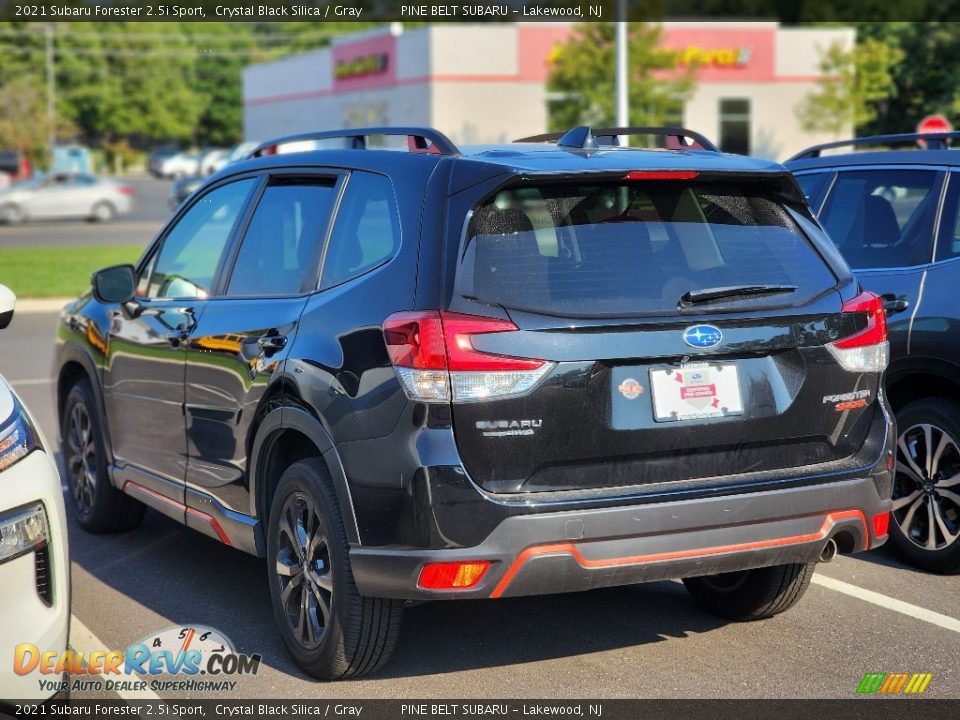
[735, 126]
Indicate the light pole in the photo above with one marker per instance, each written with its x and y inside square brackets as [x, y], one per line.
[623, 105]
[51, 95]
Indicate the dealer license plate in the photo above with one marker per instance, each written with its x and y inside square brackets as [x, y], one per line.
[694, 391]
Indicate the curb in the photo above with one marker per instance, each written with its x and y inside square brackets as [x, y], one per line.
[41, 305]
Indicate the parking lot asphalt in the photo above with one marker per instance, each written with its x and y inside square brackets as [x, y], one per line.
[864, 613]
[150, 210]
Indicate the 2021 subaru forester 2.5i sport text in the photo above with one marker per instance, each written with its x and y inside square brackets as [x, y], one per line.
[486, 372]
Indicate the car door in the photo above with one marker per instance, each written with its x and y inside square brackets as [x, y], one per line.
[931, 335]
[242, 338]
[144, 371]
[882, 219]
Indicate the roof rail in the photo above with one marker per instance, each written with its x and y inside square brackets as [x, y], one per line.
[934, 140]
[419, 139]
[585, 137]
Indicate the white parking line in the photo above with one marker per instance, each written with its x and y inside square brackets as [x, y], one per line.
[83, 640]
[31, 381]
[905, 608]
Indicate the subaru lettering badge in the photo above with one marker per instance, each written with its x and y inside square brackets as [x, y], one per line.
[702, 336]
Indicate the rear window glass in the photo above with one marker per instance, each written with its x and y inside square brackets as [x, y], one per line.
[635, 248]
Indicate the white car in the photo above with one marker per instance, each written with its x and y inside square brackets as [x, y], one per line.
[34, 564]
[62, 196]
[183, 164]
[213, 160]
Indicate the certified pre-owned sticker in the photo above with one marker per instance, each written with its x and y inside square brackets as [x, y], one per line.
[847, 401]
[630, 389]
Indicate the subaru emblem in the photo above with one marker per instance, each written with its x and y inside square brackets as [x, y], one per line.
[702, 336]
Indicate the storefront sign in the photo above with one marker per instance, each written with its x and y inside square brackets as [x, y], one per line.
[717, 57]
[361, 66]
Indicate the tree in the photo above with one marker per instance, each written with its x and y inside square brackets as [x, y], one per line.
[23, 119]
[926, 81]
[852, 84]
[582, 78]
[122, 83]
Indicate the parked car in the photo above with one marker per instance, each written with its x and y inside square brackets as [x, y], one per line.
[158, 156]
[34, 564]
[212, 160]
[180, 190]
[63, 196]
[895, 216]
[175, 166]
[487, 372]
[241, 151]
[14, 164]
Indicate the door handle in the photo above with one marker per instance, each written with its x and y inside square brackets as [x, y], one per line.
[271, 343]
[178, 336]
[894, 304]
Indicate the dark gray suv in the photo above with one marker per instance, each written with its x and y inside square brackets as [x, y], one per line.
[894, 213]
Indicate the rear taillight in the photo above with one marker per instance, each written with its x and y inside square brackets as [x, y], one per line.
[436, 361]
[126, 190]
[868, 349]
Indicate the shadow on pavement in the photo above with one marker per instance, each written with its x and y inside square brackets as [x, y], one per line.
[188, 578]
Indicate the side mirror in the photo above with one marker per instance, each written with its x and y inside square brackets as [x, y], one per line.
[7, 302]
[115, 285]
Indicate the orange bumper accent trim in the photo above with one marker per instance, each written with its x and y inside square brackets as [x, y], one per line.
[570, 549]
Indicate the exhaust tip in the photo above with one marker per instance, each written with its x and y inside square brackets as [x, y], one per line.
[829, 551]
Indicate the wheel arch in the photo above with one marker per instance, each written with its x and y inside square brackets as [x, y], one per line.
[917, 378]
[285, 435]
[74, 365]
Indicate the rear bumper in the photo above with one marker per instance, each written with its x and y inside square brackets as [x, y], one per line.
[581, 550]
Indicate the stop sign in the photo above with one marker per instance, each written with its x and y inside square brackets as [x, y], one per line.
[933, 124]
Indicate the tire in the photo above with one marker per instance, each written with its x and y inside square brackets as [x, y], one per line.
[98, 506]
[922, 492]
[353, 635]
[12, 215]
[103, 212]
[751, 594]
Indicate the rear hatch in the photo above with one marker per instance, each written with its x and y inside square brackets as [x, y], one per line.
[660, 329]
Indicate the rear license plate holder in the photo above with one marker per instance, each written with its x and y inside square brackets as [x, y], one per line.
[695, 391]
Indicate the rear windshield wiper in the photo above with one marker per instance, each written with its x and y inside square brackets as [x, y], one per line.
[696, 297]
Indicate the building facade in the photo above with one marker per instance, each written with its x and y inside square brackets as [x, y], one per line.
[483, 83]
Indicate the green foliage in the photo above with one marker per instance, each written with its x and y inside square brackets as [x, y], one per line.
[58, 271]
[582, 78]
[926, 81]
[854, 82]
[140, 83]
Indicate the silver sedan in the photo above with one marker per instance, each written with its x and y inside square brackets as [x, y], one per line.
[63, 196]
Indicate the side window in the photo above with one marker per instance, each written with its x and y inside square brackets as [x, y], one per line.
[281, 246]
[948, 244]
[366, 231]
[882, 218]
[812, 185]
[185, 266]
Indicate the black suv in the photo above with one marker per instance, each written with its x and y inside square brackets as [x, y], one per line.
[895, 216]
[485, 372]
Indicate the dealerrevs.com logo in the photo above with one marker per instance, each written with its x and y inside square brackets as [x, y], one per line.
[200, 658]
